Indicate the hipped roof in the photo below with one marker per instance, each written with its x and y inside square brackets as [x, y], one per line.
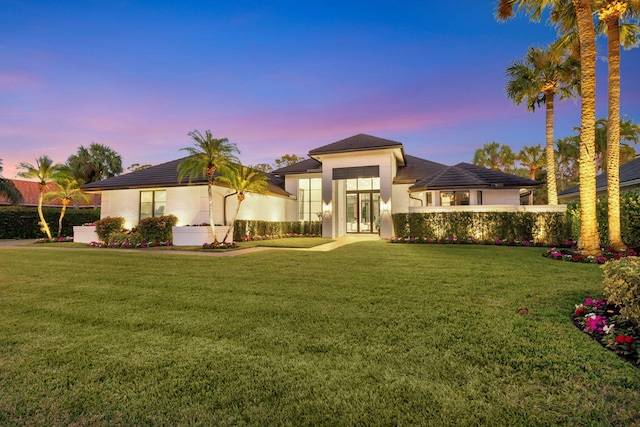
[466, 175]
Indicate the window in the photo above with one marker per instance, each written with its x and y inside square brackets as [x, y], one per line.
[429, 198]
[454, 198]
[309, 199]
[152, 203]
[479, 198]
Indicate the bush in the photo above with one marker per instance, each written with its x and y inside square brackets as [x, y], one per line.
[243, 229]
[133, 238]
[107, 226]
[17, 222]
[622, 287]
[520, 226]
[157, 229]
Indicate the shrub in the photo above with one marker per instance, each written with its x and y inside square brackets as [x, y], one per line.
[248, 229]
[157, 229]
[107, 226]
[17, 222]
[622, 287]
[133, 238]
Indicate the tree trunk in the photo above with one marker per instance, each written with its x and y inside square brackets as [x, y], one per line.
[43, 224]
[65, 202]
[552, 189]
[212, 222]
[589, 240]
[613, 135]
[235, 215]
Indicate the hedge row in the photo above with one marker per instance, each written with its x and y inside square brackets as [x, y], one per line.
[243, 228]
[22, 223]
[521, 226]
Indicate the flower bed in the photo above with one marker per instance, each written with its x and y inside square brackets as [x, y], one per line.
[128, 245]
[607, 255]
[275, 236]
[474, 241]
[55, 240]
[219, 245]
[602, 321]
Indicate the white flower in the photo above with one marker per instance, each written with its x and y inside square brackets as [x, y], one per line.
[608, 328]
[591, 315]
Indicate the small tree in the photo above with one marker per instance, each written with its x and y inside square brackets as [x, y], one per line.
[205, 158]
[68, 191]
[242, 179]
[44, 172]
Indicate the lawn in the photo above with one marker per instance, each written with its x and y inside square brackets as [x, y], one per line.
[404, 334]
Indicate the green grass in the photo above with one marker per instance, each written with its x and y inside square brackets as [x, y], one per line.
[367, 334]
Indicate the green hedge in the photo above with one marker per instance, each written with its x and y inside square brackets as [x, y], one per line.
[22, 223]
[629, 218]
[243, 228]
[538, 226]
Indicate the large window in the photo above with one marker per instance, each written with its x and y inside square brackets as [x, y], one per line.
[454, 198]
[310, 199]
[152, 203]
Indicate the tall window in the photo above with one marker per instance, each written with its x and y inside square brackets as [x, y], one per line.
[454, 198]
[310, 199]
[152, 203]
[479, 197]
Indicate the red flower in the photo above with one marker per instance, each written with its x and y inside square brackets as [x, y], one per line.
[620, 338]
[580, 311]
[628, 340]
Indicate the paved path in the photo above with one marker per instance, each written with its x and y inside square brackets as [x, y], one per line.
[340, 241]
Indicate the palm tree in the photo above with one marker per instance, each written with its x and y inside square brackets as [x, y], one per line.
[44, 172]
[95, 163]
[8, 189]
[494, 156]
[627, 131]
[68, 191]
[536, 81]
[567, 154]
[531, 158]
[242, 179]
[589, 239]
[208, 155]
[611, 12]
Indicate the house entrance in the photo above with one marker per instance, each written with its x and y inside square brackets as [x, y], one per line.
[363, 212]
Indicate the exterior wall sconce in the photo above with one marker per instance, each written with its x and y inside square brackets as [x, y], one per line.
[385, 206]
[326, 208]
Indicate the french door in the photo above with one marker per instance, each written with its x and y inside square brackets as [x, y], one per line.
[363, 212]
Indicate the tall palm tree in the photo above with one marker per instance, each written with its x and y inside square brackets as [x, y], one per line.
[531, 157]
[68, 191]
[536, 81]
[44, 172]
[8, 189]
[242, 179]
[611, 12]
[208, 155]
[589, 239]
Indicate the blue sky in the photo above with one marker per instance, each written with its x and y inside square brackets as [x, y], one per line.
[274, 77]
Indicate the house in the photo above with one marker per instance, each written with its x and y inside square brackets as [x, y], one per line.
[629, 181]
[353, 186]
[30, 191]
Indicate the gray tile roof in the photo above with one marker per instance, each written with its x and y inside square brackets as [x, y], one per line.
[629, 175]
[165, 175]
[466, 175]
[417, 169]
[360, 142]
[304, 166]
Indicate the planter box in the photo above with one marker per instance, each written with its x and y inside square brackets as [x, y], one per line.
[85, 234]
[196, 236]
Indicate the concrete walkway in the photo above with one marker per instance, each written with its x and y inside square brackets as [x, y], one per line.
[339, 242]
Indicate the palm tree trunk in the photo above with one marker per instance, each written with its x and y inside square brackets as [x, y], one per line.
[613, 135]
[552, 189]
[235, 215]
[43, 224]
[589, 240]
[65, 202]
[212, 222]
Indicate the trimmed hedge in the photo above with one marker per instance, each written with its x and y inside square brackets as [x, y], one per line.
[539, 226]
[22, 223]
[243, 228]
[157, 229]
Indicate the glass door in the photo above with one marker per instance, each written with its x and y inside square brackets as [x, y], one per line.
[352, 213]
[363, 212]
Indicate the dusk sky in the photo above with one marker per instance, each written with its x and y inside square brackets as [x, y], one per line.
[274, 77]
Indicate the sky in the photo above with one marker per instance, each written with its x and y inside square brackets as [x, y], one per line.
[274, 77]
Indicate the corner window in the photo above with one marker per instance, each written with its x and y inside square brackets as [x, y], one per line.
[310, 199]
[152, 203]
[454, 198]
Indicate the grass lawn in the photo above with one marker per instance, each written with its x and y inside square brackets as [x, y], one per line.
[404, 334]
